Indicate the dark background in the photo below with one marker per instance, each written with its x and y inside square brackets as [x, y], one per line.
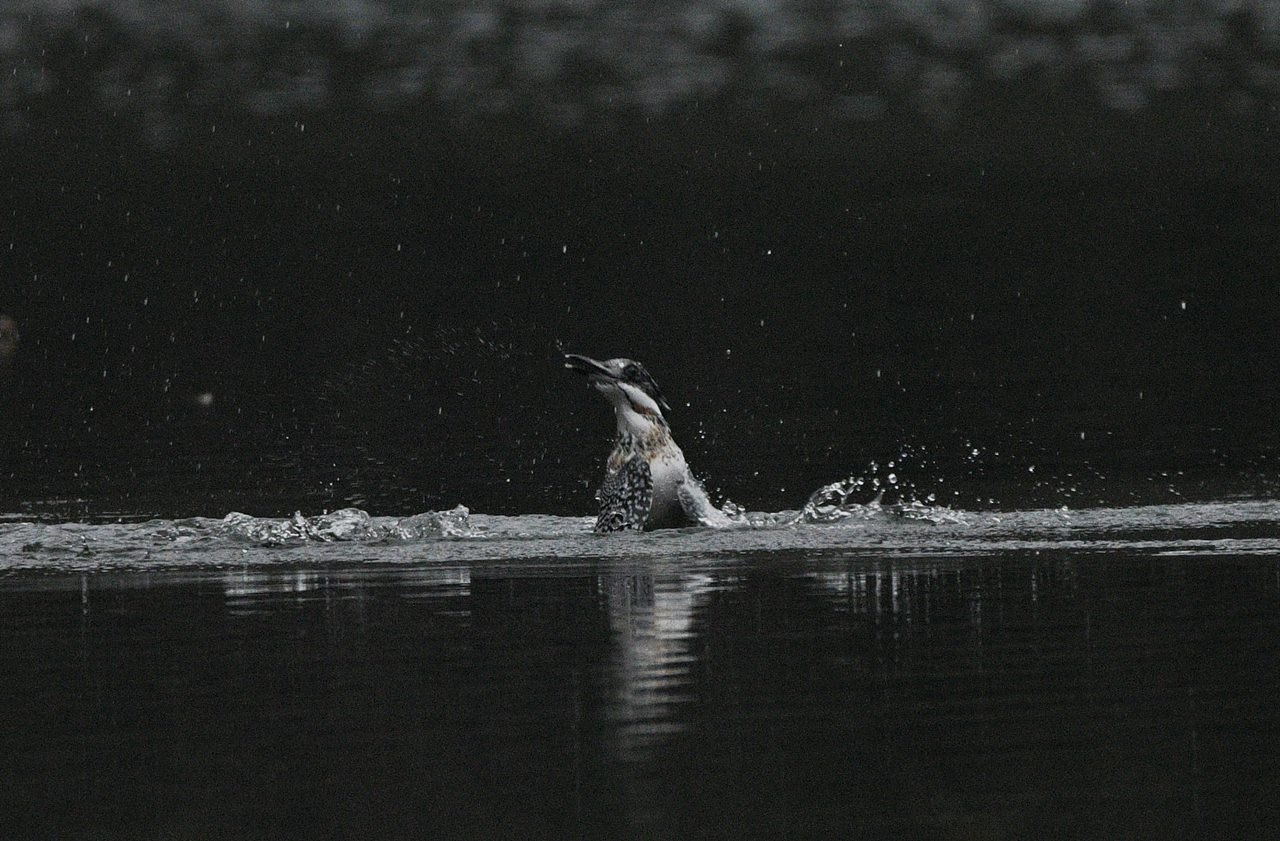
[264, 259]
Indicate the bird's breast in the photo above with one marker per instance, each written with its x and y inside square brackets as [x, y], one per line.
[668, 470]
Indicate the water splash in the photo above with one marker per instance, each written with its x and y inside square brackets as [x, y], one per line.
[832, 504]
[829, 523]
[693, 497]
[347, 524]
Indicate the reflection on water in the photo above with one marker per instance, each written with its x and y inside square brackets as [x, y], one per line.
[893, 593]
[251, 591]
[1061, 694]
[651, 617]
[654, 611]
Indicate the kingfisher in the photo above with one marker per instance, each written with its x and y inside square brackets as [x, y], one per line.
[647, 484]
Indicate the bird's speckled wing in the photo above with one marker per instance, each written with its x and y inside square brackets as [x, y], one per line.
[626, 496]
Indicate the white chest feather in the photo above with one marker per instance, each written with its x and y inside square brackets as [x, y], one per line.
[669, 472]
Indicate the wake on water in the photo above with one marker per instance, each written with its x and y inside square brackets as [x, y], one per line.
[828, 522]
[829, 504]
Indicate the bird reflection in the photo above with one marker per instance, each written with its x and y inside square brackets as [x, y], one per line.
[652, 616]
[657, 612]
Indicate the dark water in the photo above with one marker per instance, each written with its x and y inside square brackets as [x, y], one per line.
[1056, 694]
[1105, 673]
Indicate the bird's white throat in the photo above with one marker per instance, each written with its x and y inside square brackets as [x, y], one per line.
[638, 416]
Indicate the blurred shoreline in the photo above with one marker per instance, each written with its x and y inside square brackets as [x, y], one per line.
[596, 66]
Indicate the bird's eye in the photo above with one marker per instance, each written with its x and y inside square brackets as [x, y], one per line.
[631, 373]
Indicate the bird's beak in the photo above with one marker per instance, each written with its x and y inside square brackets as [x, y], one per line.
[587, 365]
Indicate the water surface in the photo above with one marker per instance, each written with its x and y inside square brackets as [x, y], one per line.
[1103, 673]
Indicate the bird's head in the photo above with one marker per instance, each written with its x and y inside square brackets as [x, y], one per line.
[636, 398]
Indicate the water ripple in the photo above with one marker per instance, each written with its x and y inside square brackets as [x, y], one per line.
[353, 536]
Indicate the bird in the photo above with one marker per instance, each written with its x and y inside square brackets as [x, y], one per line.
[647, 484]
